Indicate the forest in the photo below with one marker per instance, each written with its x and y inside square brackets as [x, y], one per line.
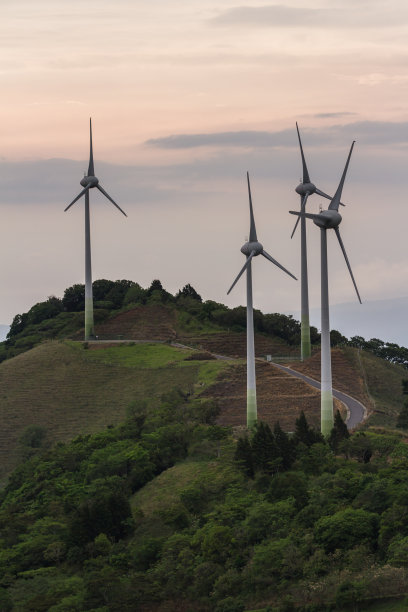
[169, 511]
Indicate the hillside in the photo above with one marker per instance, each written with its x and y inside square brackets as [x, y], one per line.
[169, 512]
[69, 390]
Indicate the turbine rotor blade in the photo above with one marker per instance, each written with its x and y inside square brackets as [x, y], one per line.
[334, 204]
[336, 229]
[267, 256]
[101, 189]
[294, 229]
[303, 214]
[77, 198]
[324, 195]
[252, 229]
[306, 178]
[302, 208]
[91, 171]
[248, 261]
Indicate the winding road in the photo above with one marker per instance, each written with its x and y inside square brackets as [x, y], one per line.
[356, 412]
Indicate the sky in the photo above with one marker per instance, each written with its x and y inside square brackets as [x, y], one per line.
[185, 98]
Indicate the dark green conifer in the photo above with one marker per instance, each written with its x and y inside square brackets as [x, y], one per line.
[285, 446]
[304, 433]
[265, 451]
[338, 433]
[243, 456]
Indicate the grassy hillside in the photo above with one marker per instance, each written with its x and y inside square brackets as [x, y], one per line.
[370, 379]
[69, 390]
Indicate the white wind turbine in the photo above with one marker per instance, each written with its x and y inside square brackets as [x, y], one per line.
[251, 249]
[328, 219]
[89, 182]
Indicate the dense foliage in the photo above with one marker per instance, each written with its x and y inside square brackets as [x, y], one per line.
[269, 520]
[59, 318]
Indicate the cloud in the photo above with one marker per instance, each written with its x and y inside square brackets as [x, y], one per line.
[333, 115]
[367, 132]
[243, 138]
[278, 16]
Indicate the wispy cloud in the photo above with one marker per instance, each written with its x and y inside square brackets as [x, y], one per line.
[368, 132]
[333, 115]
[278, 16]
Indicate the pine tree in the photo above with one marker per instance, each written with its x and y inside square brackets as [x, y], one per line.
[243, 456]
[285, 446]
[305, 434]
[338, 433]
[264, 449]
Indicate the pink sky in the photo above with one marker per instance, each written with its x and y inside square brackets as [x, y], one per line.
[233, 77]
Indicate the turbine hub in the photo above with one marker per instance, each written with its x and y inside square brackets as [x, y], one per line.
[303, 188]
[328, 219]
[89, 180]
[252, 246]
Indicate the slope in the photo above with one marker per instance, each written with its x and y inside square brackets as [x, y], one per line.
[373, 381]
[71, 391]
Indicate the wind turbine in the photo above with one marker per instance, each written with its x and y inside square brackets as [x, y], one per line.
[251, 249]
[89, 182]
[305, 189]
[328, 219]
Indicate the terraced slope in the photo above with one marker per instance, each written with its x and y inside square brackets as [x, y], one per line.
[346, 371]
[153, 322]
[280, 396]
[233, 344]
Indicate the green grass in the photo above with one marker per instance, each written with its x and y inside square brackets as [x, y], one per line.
[165, 490]
[143, 356]
[384, 383]
[71, 391]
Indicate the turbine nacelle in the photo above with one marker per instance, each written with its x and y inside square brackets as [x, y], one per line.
[305, 188]
[252, 247]
[327, 219]
[89, 181]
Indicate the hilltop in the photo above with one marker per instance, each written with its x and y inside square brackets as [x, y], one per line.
[69, 388]
[136, 488]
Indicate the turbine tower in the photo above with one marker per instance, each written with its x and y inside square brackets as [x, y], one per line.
[89, 182]
[328, 219]
[305, 189]
[251, 249]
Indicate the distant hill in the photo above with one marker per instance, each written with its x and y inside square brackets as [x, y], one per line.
[385, 319]
[4, 330]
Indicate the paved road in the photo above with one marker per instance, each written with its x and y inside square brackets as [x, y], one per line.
[356, 412]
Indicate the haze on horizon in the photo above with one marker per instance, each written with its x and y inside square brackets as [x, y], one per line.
[185, 98]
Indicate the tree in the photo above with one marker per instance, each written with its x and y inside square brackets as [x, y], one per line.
[347, 528]
[285, 446]
[243, 456]
[304, 433]
[402, 421]
[265, 451]
[336, 338]
[189, 292]
[338, 433]
[74, 298]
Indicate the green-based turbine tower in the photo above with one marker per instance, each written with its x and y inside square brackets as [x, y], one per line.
[305, 189]
[89, 182]
[251, 249]
[328, 219]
